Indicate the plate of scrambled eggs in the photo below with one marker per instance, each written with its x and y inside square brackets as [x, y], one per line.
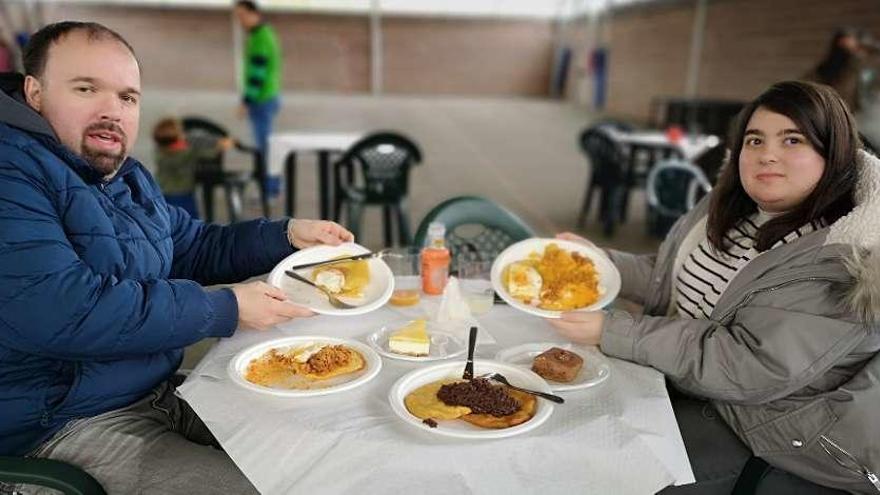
[546, 277]
[366, 284]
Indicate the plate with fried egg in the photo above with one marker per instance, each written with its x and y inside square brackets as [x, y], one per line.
[546, 277]
[365, 284]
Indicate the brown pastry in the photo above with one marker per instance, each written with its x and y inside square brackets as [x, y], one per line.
[557, 365]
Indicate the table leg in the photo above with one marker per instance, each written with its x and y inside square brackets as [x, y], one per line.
[324, 179]
[290, 183]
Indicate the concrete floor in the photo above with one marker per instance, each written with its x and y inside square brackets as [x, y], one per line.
[521, 153]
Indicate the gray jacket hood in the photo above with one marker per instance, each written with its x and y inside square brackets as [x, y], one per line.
[860, 229]
[15, 112]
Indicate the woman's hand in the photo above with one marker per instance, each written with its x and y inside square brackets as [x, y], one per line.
[568, 236]
[580, 327]
[308, 233]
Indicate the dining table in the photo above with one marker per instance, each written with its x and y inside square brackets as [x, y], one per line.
[652, 145]
[285, 146]
[619, 436]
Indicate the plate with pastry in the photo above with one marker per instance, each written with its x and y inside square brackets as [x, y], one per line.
[546, 277]
[366, 284]
[416, 340]
[304, 366]
[436, 399]
[564, 366]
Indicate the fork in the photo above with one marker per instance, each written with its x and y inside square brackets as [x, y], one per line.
[334, 301]
[498, 377]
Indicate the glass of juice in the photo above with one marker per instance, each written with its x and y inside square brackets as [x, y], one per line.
[476, 285]
[406, 267]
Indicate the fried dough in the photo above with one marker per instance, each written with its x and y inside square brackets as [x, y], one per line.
[526, 410]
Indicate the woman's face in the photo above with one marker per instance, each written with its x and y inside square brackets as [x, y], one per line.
[778, 167]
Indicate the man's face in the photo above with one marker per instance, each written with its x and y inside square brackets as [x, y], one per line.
[246, 18]
[90, 94]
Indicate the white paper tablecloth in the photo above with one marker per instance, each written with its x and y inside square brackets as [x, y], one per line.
[620, 437]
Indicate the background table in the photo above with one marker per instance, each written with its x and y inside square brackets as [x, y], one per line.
[283, 147]
[656, 146]
[620, 437]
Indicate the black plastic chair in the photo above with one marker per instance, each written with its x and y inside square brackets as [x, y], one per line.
[673, 188]
[475, 227]
[210, 173]
[607, 162]
[375, 171]
[58, 475]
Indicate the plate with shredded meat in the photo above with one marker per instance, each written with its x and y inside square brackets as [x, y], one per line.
[436, 399]
[304, 366]
[546, 277]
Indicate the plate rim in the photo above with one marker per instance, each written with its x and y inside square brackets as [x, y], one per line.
[545, 409]
[372, 359]
[370, 339]
[542, 242]
[277, 272]
[558, 386]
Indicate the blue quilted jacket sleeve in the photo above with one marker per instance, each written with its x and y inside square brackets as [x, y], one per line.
[215, 254]
[53, 304]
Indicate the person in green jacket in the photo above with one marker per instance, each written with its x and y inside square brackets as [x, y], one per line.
[262, 80]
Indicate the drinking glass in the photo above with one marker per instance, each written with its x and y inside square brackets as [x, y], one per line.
[476, 284]
[405, 265]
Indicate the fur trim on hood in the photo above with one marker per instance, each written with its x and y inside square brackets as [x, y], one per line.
[860, 229]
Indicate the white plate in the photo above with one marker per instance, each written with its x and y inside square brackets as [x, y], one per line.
[376, 293]
[444, 345]
[238, 366]
[459, 428]
[609, 277]
[596, 368]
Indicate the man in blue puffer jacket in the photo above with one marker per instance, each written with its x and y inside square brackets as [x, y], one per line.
[101, 282]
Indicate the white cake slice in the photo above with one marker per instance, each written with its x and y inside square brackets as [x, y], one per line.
[411, 340]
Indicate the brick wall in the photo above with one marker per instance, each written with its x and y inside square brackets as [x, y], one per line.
[184, 48]
[748, 45]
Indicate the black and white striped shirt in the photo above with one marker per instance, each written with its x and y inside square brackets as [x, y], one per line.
[706, 273]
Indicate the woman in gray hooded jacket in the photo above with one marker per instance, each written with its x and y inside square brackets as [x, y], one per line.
[763, 301]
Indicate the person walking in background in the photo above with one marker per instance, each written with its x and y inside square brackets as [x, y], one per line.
[262, 80]
[176, 162]
[843, 65]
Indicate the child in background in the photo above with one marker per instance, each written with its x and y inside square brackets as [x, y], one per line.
[176, 162]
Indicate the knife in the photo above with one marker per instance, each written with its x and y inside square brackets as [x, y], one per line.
[337, 260]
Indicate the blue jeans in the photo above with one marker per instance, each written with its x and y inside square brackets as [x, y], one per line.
[261, 116]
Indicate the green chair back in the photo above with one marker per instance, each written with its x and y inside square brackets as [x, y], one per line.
[61, 476]
[475, 226]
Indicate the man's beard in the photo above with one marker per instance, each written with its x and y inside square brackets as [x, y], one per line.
[103, 162]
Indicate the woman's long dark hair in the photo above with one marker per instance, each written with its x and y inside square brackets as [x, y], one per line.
[826, 123]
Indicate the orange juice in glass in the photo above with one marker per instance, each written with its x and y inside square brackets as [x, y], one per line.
[405, 265]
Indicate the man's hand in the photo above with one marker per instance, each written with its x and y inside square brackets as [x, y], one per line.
[242, 111]
[581, 327]
[262, 306]
[308, 233]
